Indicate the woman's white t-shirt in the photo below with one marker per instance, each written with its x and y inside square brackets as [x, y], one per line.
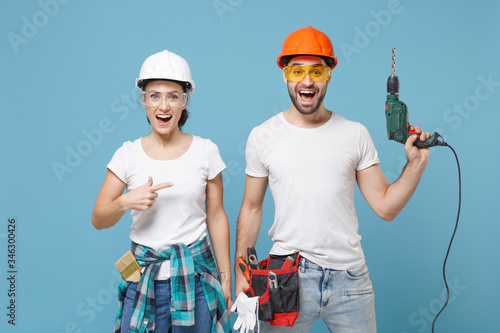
[178, 214]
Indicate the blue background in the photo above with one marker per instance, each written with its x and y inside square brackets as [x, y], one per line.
[68, 70]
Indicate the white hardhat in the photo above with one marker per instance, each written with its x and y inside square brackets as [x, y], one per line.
[166, 65]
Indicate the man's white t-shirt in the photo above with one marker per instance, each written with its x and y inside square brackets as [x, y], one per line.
[312, 176]
[178, 215]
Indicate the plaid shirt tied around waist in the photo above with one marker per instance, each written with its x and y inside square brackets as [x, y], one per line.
[185, 261]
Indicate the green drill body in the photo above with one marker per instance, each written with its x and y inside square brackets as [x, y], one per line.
[396, 114]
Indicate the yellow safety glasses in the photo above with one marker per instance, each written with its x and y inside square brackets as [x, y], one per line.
[317, 73]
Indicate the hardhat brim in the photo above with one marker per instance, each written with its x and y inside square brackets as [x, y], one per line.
[189, 85]
[284, 59]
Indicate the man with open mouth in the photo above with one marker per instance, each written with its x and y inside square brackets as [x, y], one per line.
[312, 158]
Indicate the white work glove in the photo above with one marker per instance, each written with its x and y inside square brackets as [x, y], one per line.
[248, 313]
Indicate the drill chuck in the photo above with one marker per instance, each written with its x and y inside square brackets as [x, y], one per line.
[393, 85]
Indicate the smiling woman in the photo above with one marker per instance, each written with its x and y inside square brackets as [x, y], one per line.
[176, 98]
[171, 219]
[164, 102]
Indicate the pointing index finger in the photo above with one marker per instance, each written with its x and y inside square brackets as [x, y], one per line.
[161, 186]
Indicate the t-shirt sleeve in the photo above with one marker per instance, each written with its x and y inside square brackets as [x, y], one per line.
[255, 166]
[215, 162]
[368, 153]
[118, 165]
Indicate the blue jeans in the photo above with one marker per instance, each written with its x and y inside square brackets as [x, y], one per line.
[203, 319]
[344, 300]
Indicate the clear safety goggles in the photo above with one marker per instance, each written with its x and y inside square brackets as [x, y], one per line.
[317, 73]
[153, 99]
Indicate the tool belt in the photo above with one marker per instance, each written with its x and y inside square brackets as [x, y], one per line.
[276, 283]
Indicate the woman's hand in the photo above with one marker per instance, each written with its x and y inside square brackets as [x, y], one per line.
[143, 197]
[225, 280]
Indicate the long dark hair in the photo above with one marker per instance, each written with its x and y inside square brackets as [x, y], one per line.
[185, 87]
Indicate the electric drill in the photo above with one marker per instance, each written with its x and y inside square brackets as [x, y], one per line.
[396, 115]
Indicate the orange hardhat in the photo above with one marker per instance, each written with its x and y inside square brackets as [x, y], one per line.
[307, 41]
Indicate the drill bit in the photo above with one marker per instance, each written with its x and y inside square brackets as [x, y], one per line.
[393, 81]
[393, 59]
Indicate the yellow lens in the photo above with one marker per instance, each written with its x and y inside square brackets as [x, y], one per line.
[298, 73]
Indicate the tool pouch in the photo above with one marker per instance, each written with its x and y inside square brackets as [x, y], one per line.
[278, 303]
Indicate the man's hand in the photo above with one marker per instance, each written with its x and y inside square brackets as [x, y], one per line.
[241, 283]
[143, 197]
[417, 157]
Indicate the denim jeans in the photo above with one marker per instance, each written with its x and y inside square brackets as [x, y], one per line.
[203, 319]
[344, 300]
